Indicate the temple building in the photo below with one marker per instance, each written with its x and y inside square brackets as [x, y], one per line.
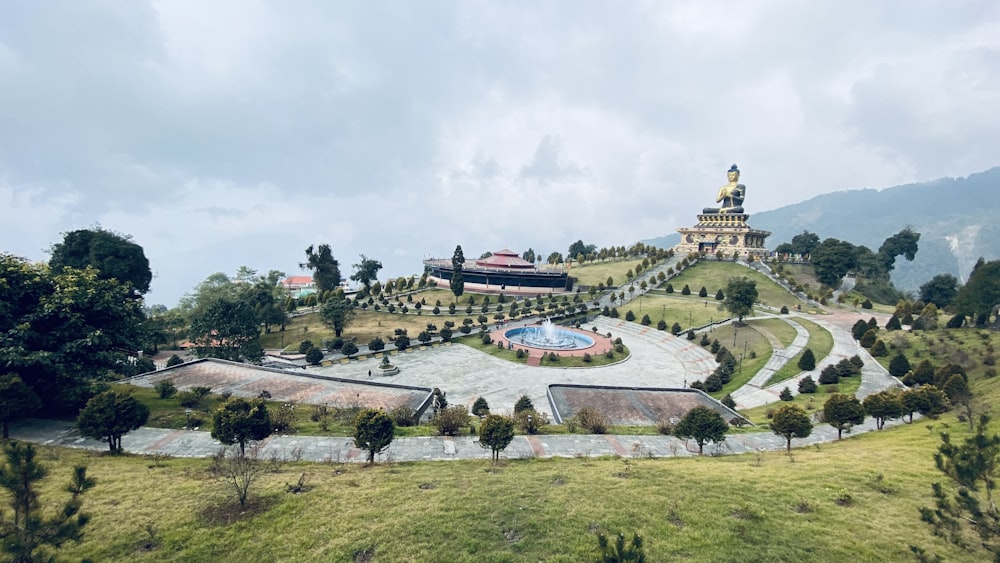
[503, 271]
[723, 230]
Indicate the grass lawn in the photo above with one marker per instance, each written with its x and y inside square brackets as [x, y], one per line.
[820, 342]
[715, 275]
[598, 272]
[778, 328]
[732, 508]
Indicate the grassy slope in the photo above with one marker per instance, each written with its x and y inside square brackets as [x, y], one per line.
[706, 509]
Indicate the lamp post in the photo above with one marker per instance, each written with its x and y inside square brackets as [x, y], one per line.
[188, 413]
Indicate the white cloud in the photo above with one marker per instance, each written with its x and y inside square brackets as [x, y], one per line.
[233, 133]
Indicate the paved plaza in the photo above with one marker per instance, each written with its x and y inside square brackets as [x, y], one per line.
[658, 360]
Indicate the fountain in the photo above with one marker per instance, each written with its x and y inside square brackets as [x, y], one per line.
[386, 368]
[548, 336]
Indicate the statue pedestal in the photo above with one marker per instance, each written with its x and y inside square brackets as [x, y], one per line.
[727, 233]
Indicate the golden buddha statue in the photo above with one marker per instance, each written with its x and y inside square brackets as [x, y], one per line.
[731, 195]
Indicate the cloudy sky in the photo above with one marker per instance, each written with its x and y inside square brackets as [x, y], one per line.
[228, 133]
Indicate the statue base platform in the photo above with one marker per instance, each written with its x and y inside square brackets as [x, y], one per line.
[725, 234]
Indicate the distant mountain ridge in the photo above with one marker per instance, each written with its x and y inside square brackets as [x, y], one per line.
[958, 220]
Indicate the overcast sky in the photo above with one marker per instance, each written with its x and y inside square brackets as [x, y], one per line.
[221, 134]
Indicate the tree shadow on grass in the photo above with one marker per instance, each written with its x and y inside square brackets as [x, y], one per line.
[230, 511]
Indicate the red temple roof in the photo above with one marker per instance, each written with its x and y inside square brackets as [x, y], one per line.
[505, 258]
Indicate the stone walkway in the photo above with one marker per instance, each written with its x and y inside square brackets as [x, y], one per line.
[183, 443]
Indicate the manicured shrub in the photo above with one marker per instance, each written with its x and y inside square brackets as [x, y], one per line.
[719, 295]
[451, 420]
[728, 401]
[829, 375]
[403, 415]
[523, 404]
[808, 360]
[879, 350]
[807, 385]
[661, 325]
[174, 360]
[899, 365]
[480, 407]
[713, 383]
[893, 323]
[702, 292]
[784, 310]
[591, 420]
[786, 394]
[646, 321]
[690, 334]
[676, 329]
[165, 388]
[529, 421]
[305, 345]
[314, 356]
[686, 290]
[868, 340]
[630, 316]
[669, 288]
[866, 304]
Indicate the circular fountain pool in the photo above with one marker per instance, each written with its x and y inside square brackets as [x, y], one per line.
[548, 337]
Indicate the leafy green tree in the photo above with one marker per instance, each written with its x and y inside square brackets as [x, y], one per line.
[64, 331]
[373, 432]
[903, 243]
[842, 412]
[227, 330]
[17, 400]
[972, 466]
[939, 290]
[956, 388]
[110, 415]
[807, 362]
[496, 433]
[349, 348]
[480, 407]
[523, 404]
[337, 313]
[239, 421]
[113, 255]
[621, 552]
[741, 294]
[927, 400]
[703, 425]
[790, 421]
[922, 375]
[529, 255]
[366, 271]
[376, 344]
[457, 282]
[324, 267]
[981, 294]
[883, 406]
[832, 259]
[26, 537]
